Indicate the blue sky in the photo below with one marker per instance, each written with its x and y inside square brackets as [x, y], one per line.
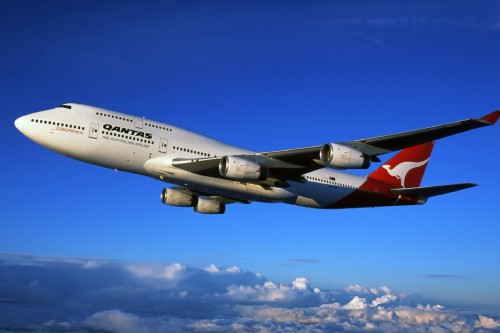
[263, 75]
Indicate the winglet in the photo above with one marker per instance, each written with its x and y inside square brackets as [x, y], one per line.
[492, 117]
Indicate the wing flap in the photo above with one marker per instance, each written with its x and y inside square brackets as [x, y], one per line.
[201, 166]
[300, 156]
[431, 191]
[278, 168]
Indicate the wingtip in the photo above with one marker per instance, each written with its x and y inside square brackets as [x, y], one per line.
[492, 118]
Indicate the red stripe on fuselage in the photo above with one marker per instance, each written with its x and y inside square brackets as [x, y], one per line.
[373, 193]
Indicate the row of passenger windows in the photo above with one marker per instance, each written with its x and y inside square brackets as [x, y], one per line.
[58, 124]
[113, 116]
[130, 120]
[192, 151]
[128, 137]
[330, 181]
[160, 127]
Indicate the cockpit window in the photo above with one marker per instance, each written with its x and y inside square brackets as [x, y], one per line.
[65, 106]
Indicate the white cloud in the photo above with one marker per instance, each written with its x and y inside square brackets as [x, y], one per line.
[269, 292]
[233, 269]
[487, 322]
[375, 291]
[214, 269]
[165, 272]
[356, 303]
[116, 321]
[211, 269]
[386, 290]
[419, 316]
[206, 326]
[301, 283]
[382, 315]
[122, 322]
[356, 289]
[122, 298]
[171, 272]
[335, 306]
[383, 299]
[280, 315]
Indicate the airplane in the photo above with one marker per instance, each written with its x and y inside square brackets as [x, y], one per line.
[208, 174]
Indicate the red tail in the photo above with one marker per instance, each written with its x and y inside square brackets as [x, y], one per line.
[406, 168]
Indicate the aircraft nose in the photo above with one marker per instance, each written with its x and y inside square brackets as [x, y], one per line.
[19, 123]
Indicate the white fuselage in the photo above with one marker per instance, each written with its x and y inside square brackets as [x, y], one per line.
[132, 144]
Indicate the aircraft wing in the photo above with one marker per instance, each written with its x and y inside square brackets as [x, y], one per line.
[291, 164]
[388, 143]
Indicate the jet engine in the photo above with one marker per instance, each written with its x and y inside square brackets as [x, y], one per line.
[342, 157]
[240, 168]
[207, 206]
[174, 197]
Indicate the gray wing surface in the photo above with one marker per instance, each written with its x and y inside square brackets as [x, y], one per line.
[291, 164]
[393, 142]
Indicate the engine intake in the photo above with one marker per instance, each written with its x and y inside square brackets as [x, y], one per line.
[240, 168]
[342, 157]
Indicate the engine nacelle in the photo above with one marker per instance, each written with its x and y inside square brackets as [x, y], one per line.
[173, 197]
[207, 206]
[240, 168]
[343, 157]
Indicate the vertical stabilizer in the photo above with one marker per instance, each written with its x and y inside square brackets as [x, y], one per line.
[406, 168]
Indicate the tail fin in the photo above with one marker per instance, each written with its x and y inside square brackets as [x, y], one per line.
[406, 168]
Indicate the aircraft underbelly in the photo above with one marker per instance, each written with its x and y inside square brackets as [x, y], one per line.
[316, 195]
[162, 169]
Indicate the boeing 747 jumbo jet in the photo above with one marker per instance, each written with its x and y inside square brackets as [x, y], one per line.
[209, 174]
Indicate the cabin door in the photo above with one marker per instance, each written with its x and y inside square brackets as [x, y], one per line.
[163, 145]
[138, 122]
[94, 131]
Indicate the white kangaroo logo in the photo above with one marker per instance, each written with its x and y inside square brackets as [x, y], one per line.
[401, 170]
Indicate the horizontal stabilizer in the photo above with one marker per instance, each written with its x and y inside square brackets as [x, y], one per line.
[431, 191]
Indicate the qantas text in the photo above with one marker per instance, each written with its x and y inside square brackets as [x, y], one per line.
[128, 131]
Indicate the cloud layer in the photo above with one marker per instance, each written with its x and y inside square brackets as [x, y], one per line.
[67, 295]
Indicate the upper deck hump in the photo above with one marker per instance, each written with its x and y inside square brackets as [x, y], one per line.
[157, 127]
